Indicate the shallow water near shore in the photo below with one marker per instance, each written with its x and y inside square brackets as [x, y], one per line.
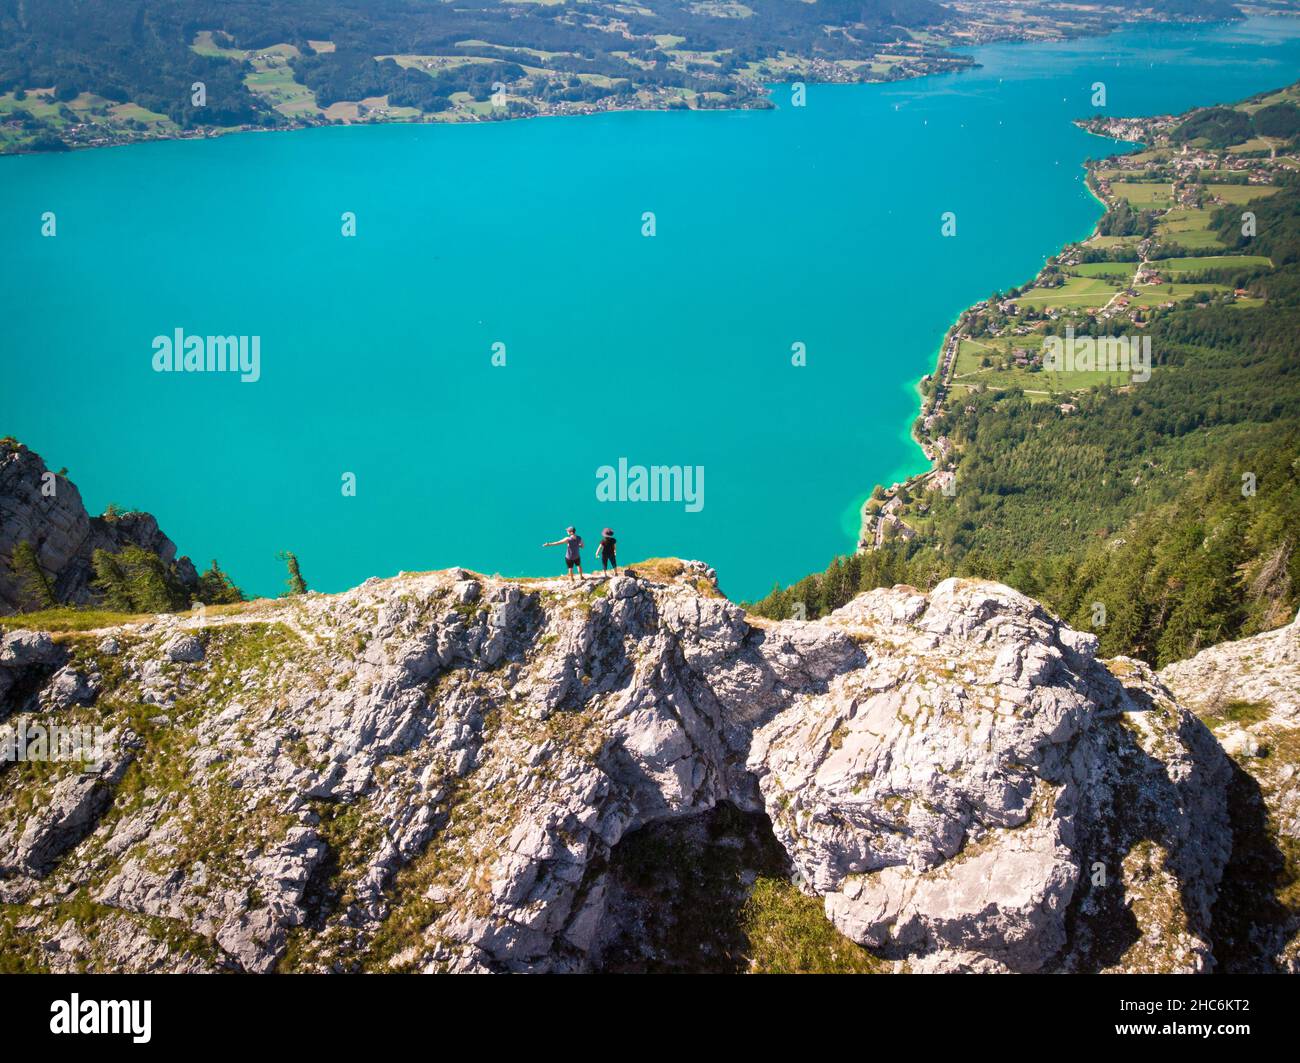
[817, 225]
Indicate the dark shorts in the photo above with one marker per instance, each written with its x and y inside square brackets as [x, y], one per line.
[571, 561]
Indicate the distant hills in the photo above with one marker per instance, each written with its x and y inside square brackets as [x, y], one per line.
[76, 74]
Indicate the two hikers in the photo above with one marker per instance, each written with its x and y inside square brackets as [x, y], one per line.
[573, 544]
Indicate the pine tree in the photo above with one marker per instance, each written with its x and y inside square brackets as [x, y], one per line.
[31, 577]
[295, 582]
[217, 588]
[110, 581]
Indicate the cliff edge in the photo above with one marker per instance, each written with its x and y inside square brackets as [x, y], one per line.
[445, 772]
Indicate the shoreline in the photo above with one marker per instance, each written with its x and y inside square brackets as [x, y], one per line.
[1119, 132]
[764, 102]
[872, 528]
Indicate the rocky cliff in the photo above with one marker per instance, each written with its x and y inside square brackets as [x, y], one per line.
[45, 509]
[1248, 692]
[444, 772]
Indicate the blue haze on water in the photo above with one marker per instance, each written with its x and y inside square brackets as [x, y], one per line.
[818, 225]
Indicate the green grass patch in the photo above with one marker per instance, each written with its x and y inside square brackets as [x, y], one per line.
[1238, 711]
[71, 618]
[789, 933]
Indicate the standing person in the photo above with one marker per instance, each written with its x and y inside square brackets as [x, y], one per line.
[606, 550]
[572, 543]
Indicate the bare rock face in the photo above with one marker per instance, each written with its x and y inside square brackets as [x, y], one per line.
[28, 660]
[1262, 671]
[967, 799]
[45, 509]
[434, 773]
[1248, 692]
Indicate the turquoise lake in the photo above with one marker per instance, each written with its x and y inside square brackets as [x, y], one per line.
[817, 225]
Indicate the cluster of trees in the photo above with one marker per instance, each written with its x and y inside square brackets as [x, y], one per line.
[1217, 126]
[136, 580]
[1278, 120]
[1233, 277]
[1221, 127]
[1174, 503]
[1211, 564]
[1123, 220]
[1277, 227]
[133, 580]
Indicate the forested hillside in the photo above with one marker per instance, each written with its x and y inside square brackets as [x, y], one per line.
[68, 64]
[84, 73]
[1164, 516]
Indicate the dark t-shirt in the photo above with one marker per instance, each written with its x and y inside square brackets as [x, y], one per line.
[607, 544]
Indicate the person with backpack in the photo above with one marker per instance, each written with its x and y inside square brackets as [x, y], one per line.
[606, 551]
[572, 543]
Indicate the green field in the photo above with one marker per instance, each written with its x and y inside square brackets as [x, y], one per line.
[1255, 144]
[204, 45]
[1240, 193]
[1040, 384]
[273, 80]
[1189, 227]
[1076, 292]
[133, 112]
[1112, 241]
[1155, 294]
[433, 64]
[1145, 193]
[1115, 270]
[1175, 266]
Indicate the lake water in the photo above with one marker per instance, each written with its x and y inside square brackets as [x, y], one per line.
[818, 225]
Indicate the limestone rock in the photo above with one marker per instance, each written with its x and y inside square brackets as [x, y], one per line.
[952, 798]
[436, 773]
[1248, 691]
[183, 647]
